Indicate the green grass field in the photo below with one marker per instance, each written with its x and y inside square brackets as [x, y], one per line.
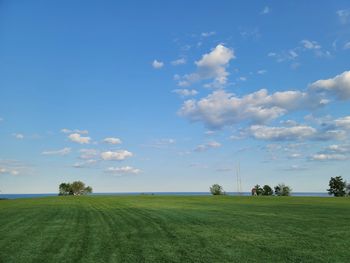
[175, 229]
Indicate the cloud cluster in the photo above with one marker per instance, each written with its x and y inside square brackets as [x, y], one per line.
[301, 132]
[157, 64]
[76, 137]
[212, 66]
[112, 140]
[338, 86]
[221, 108]
[207, 146]
[116, 155]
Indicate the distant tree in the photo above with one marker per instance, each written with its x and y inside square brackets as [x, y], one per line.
[282, 190]
[337, 186]
[75, 188]
[347, 189]
[216, 189]
[64, 189]
[267, 190]
[258, 190]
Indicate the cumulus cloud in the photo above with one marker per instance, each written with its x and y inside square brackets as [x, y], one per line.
[328, 157]
[157, 64]
[112, 140]
[282, 133]
[18, 136]
[338, 85]
[343, 122]
[62, 152]
[122, 170]
[76, 137]
[220, 108]
[179, 61]
[185, 92]
[116, 155]
[212, 66]
[207, 146]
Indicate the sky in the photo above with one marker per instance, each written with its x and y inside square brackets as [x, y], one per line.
[159, 96]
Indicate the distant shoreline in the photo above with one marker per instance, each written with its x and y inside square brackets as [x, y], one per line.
[17, 196]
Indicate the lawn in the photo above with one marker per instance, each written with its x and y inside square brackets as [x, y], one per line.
[174, 229]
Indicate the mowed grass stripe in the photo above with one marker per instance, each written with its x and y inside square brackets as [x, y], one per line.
[174, 229]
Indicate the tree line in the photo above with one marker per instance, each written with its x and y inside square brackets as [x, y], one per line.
[257, 190]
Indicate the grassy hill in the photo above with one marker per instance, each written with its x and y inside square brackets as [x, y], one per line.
[174, 229]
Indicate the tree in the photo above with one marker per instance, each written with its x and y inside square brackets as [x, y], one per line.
[282, 190]
[75, 188]
[347, 190]
[258, 190]
[64, 189]
[336, 186]
[216, 189]
[267, 190]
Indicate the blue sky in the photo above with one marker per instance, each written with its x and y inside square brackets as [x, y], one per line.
[154, 96]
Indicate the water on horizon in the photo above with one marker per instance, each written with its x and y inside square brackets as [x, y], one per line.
[17, 196]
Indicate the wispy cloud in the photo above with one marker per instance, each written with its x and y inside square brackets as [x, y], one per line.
[64, 151]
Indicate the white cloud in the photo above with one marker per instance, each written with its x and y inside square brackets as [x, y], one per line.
[220, 108]
[208, 34]
[265, 11]
[328, 157]
[18, 136]
[261, 71]
[185, 92]
[88, 153]
[344, 15]
[207, 146]
[62, 152]
[338, 85]
[8, 171]
[112, 140]
[301, 132]
[343, 122]
[85, 164]
[308, 44]
[157, 64]
[67, 131]
[116, 155]
[179, 61]
[347, 45]
[76, 137]
[122, 170]
[211, 66]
